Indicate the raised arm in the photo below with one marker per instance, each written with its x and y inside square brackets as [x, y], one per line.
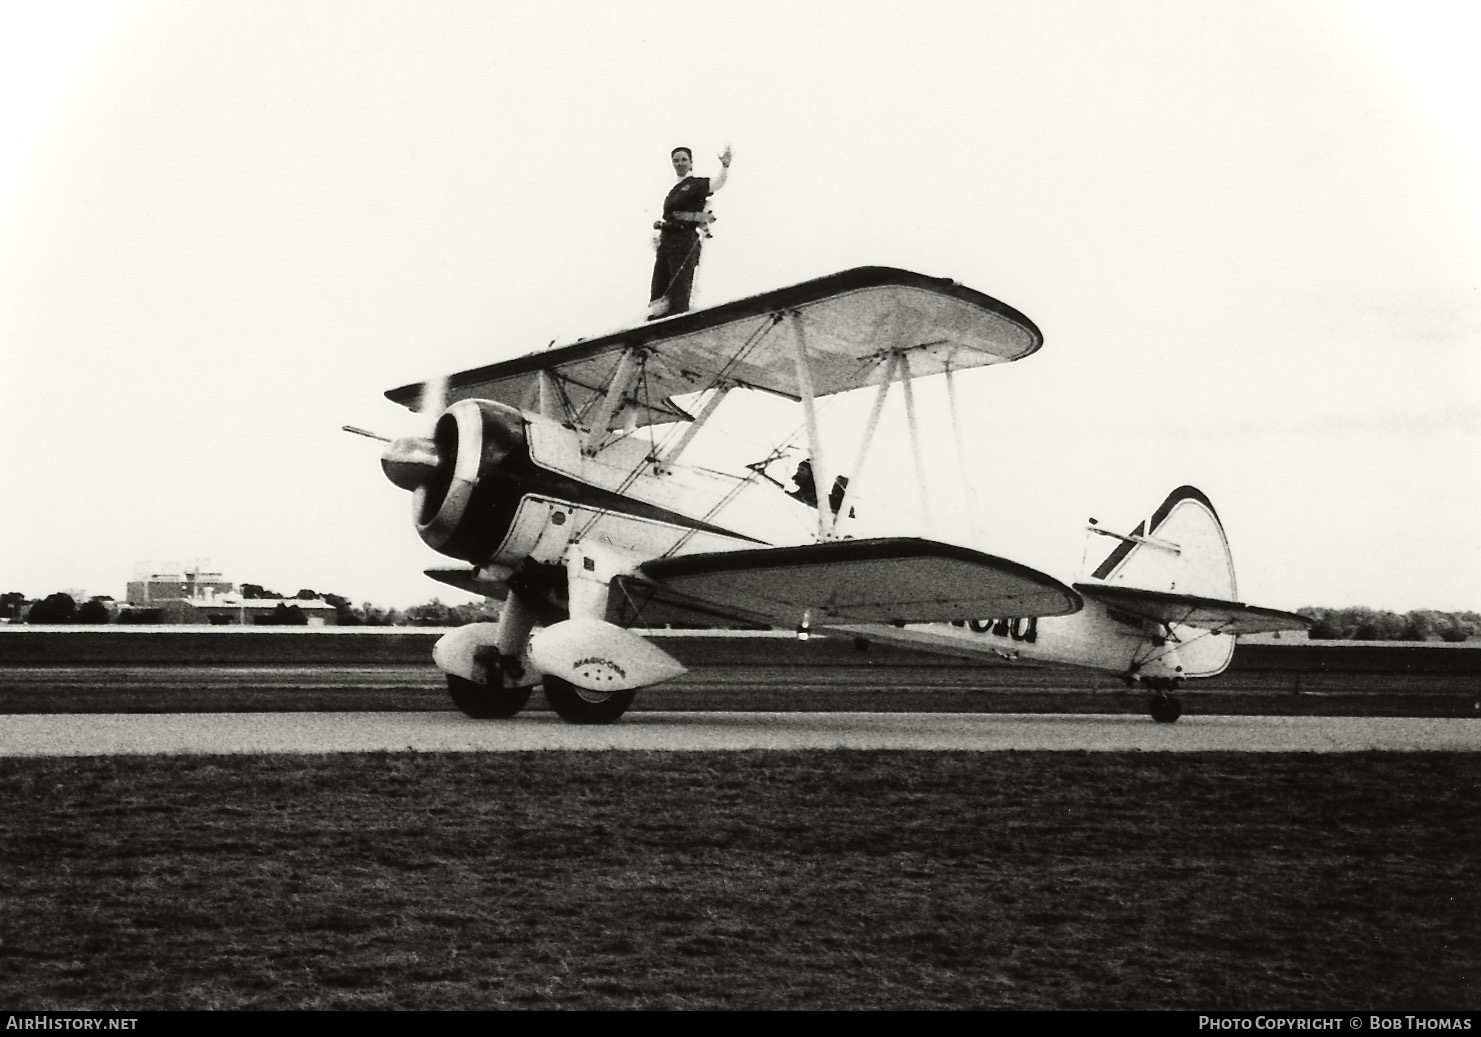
[719, 181]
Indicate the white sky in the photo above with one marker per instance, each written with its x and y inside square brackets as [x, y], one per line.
[1250, 232]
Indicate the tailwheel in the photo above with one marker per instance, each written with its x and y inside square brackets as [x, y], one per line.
[581, 706]
[1165, 709]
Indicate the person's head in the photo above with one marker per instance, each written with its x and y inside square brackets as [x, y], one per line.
[683, 160]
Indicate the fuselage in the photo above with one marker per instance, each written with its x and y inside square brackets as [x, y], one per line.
[620, 497]
[1093, 638]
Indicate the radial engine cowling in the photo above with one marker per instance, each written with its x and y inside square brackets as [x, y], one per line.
[465, 478]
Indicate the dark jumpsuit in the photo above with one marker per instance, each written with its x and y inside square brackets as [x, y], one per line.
[678, 244]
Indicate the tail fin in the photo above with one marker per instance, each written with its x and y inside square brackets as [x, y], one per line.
[1181, 549]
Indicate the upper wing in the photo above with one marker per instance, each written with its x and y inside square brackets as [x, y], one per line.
[847, 324]
[1222, 617]
[888, 580]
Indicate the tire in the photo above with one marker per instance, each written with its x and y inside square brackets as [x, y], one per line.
[578, 706]
[482, 702]
[1165, 709]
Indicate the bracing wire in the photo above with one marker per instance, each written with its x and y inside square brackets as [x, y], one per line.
[660, 444]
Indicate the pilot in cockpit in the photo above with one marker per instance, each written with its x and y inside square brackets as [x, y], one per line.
[807, 490]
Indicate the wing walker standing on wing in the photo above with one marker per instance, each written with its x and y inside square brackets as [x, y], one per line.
[681, 232]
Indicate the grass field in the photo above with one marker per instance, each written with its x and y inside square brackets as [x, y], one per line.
[736, 880]
[742, 880]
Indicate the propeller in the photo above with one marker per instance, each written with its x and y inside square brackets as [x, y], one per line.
[411, 462]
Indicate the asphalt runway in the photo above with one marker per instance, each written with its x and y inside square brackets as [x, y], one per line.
[120, 734]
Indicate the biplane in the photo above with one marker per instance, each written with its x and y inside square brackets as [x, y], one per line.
[561, 482]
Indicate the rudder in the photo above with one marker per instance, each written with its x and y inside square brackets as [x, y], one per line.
[1184, 551]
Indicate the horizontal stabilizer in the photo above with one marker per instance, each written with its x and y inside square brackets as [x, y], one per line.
[888, 580]
[1222, 617]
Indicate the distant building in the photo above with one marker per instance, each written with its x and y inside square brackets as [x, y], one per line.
[197, 596]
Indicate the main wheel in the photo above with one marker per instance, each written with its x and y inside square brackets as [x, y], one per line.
[580, 706]
[1165, 709]
[482, 702]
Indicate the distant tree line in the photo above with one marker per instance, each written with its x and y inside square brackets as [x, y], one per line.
[432, 614]
[1365, 624]
[1346, 624]
[16, 607]
[54, 608]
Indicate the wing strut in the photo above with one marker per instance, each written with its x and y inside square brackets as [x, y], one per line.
[822, 474]
[920, 464]
[671, 455]
[553, 404]
[888, 375]
[974, 513]
[622, 381]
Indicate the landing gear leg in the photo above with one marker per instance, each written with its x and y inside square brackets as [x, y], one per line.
[500, 688]
[589, 573]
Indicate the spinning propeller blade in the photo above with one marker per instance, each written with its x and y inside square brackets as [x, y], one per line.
[411, 461]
